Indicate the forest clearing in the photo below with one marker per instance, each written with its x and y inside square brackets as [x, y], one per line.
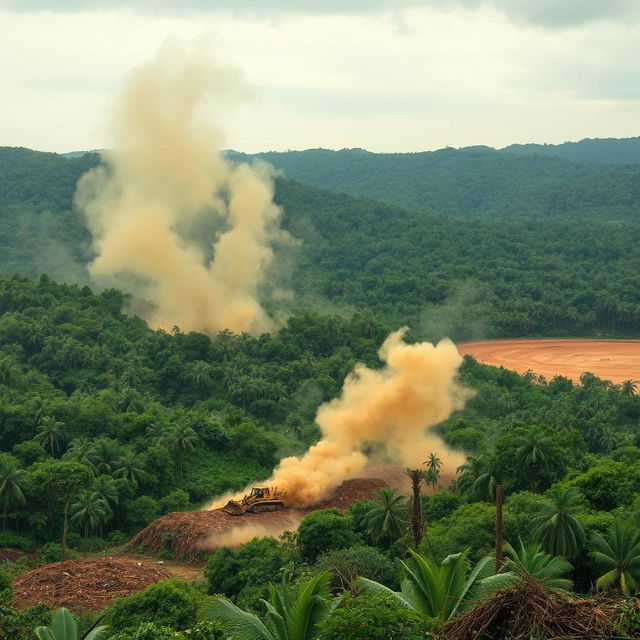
[614, 360]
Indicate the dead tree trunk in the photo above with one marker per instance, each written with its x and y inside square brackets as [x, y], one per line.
[416, 520]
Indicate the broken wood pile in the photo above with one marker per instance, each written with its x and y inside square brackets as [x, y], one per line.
[90, 583]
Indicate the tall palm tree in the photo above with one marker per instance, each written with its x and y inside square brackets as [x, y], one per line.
[181, 438]
[476, 478]
[131, 467]
[556, 527]
[286, 619]
[84, 451]
[434, 464]
[49, 434]
[89, 511]
[108, 455]
[441, 591]
[536, 562]
[629, 387]
[619, 552]
[608, 439]
[64, 627]
[386, 518]
[11, 482]
[532, 451]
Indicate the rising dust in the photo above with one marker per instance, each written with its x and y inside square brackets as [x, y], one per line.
[393, 407]
[164, 173]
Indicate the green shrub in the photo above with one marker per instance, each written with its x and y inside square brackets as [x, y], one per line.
[172, 603]
[51, 552]
[324, 530]
[16, 541]
[21, 624]
[348, 564]
[366, 617]
[6, 588]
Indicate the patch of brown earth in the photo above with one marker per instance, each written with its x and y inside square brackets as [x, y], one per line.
[615, 360]
[90, 583]
[185, 532]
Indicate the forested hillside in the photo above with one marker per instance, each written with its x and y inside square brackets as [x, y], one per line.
[475, 182]
[598, 151]
[442, 275]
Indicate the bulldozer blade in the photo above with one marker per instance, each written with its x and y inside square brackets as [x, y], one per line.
[233, 508]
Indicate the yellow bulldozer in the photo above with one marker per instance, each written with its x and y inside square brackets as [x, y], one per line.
[260, 499]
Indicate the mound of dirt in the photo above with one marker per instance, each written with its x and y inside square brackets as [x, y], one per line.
[90, 583]
[186, 533]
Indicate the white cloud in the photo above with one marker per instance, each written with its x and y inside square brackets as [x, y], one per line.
[457, 77]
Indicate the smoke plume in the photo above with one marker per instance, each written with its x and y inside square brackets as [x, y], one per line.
[163, 176]
[392, 408]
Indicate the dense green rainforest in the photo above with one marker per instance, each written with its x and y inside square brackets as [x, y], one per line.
[527, 273]
[114, 424]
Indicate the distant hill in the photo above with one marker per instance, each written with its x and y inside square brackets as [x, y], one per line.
[539, 274]
[610, 151]
[477, 182]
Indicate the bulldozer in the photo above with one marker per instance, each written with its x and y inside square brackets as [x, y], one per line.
[260, 499]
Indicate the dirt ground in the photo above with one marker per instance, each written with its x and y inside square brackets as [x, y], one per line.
[615, 360]
[192, 535]
[91, 583]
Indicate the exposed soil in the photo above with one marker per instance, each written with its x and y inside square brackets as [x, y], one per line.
[188, 533]
[90, 583]
[615, 360]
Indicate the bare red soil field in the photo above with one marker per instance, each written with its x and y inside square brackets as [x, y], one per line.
[615, 360]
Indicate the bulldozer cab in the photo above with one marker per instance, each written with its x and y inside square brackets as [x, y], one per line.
[259, 493]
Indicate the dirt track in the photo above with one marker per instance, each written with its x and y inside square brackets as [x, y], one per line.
[615, 360]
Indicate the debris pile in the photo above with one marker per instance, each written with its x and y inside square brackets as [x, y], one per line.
[531, 611]
[185, 532]
[90, 583]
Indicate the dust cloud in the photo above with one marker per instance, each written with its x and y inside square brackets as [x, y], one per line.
[164, 174]
[243, 533]
[392, 408]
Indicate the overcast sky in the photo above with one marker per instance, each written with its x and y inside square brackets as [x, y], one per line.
[386, 75]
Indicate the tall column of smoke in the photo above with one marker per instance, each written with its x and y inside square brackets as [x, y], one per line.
[393, 407]
[165, 171]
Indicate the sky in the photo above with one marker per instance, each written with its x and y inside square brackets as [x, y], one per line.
[385, 75]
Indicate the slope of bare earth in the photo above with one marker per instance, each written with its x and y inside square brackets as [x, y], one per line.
[190, 533]
[615, 360]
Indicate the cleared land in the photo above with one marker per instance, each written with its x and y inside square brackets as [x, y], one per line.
[615, 360]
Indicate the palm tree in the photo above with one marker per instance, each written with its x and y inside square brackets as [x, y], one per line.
[199, 375]
[533, 560]
[476, 478]
[286, 619]
[441, 591]
[64, 627]
[11, 489]
[131, 467]
[386, 517]
[89, 511]
[181, 438]
[82, 450]
[608, 439]
[434, 464]
[556, 527]
[532, 450]
[49, 433]
[629, 387]
[108, 455]
[619, 552]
